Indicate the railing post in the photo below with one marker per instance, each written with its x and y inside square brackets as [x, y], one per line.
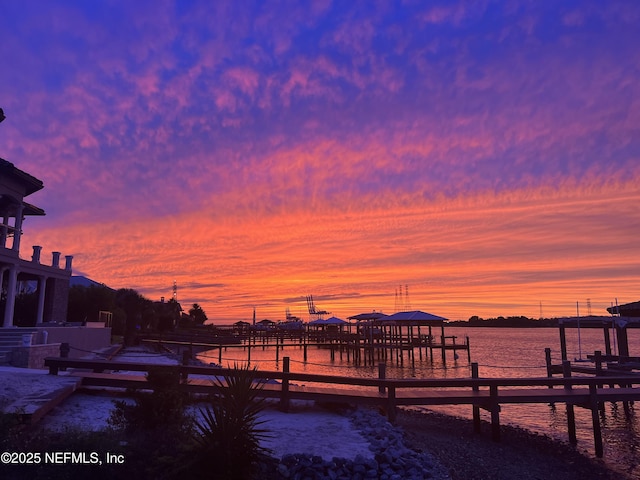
[382, 374]
[284, 395]
[391, 403]
[476, 408]
[597, 358]
[563, 342]
[571, 418]
[65, 348]
[186, 359]
[547, 357]
[597, 432]
[495, 413]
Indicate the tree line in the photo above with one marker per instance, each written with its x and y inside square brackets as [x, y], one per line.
[511, 322]
[130, 310]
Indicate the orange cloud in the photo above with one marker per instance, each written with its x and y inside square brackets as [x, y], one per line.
[481, 255]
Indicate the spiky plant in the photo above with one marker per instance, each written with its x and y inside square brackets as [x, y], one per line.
[229, 432]
[163, 408]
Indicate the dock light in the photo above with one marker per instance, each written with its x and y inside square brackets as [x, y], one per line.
[2, 116]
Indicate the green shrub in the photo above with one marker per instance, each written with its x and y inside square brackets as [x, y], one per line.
[156, 427]
[163, 408]
[228, 434]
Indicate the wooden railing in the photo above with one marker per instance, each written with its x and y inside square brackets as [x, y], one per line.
[481, 393]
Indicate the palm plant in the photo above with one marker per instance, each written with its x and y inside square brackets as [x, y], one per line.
[228, 434]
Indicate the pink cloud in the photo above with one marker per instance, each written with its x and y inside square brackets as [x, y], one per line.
[467, 164]
[355, 36]
[245, 79]
[518, 248]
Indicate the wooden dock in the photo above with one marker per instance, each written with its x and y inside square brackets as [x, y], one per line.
[395, 346]
[480, 393]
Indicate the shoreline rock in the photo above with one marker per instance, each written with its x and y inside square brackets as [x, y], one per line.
[390, 458]
[520, 453]
[430, 445]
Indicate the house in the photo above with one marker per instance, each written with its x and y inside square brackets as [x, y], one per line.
[52, 281]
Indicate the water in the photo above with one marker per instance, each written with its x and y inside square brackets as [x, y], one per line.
[500, 353]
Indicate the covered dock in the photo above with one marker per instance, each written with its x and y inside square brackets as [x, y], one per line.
[616, 355]
[389, 336]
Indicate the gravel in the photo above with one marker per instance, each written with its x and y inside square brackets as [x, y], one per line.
[428, 445]
[390, 458]
[520, 454]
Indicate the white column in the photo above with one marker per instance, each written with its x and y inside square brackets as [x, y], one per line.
[11, 296]
[42, 287]
[35, 258]
[2, 270]
[18, 231]
[4, 231]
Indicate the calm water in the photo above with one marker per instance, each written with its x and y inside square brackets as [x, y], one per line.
[500, 353]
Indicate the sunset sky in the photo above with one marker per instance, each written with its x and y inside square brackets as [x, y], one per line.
[484, 154]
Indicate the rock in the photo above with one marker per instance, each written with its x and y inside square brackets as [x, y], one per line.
[283, 471]
[390, 459]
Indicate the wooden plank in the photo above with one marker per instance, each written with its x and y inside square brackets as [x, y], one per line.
[93, 379]
[95, 364]
[403, 397]
[442, 397]
[487, 393]
[303, 377]
[32, 408]
[408, 392]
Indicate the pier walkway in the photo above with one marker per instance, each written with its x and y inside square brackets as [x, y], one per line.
[355, 348]
[388, 394]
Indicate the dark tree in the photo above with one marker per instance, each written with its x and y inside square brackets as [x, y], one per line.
[197, 313]
[134, 306]
[85, 303]
[167, 315]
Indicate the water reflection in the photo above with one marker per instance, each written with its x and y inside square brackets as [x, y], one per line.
[500, 353]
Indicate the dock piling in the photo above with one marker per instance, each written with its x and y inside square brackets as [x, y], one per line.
[495, 413]
[597, 432]
[284, 394]
[476, 408]
[382, 374]
[571, 417]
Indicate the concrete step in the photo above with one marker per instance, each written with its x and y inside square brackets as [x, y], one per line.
[13, 336]
[11, 343]
[5, 358]
[16, 332]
